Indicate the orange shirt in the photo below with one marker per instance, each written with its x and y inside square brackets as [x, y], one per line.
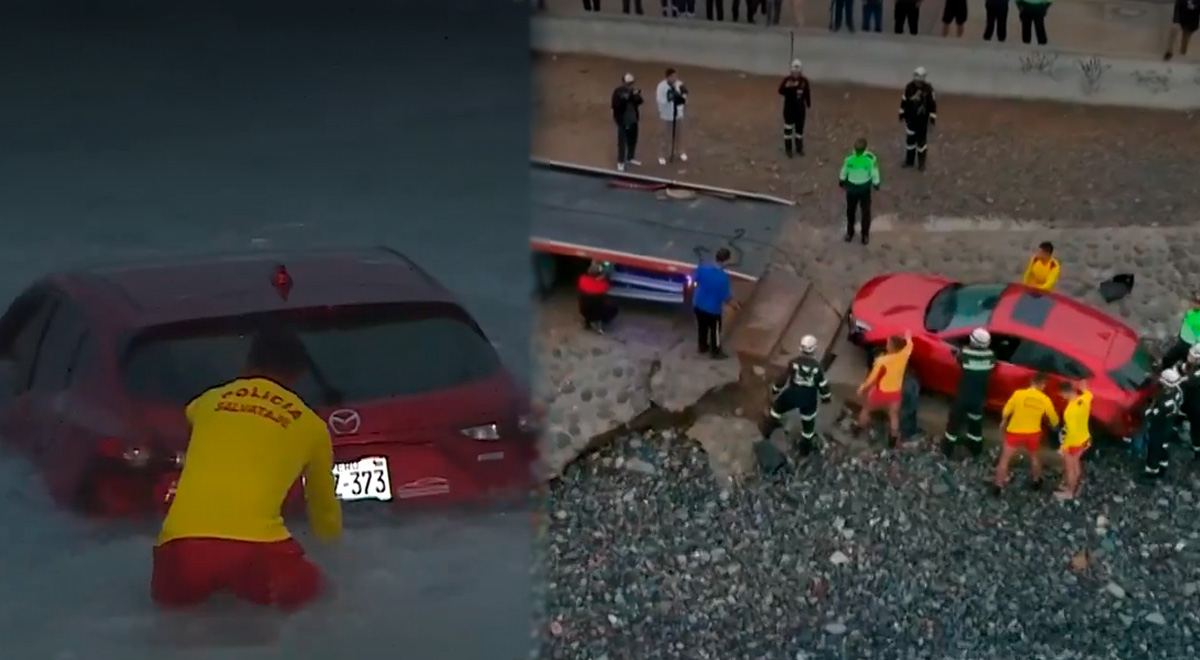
[1041, 273]
[889, 369]
[251, 440]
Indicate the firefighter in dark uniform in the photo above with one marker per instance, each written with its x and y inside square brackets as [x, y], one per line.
[976, 360]
[1160, 420]
[802, 388]
[797, 99]
[1190, 386]
[918, 111]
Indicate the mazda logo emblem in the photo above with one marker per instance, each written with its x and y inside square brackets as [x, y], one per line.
[344, 422]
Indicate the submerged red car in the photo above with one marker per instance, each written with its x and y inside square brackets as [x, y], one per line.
[97, 365]
[1031, 331]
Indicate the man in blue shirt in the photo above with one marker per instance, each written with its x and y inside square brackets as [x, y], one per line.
[708, 298]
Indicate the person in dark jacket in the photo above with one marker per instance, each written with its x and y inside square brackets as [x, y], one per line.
[797, 99]
[1160, 420]
[803, 387]
[594, 305]
[976, 362]
[918, 111]
[626, 108]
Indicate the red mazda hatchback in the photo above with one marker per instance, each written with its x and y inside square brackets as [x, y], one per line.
[97, 365]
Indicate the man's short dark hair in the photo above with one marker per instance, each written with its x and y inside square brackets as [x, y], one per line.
[1066, 387]
[1038, 379]
[670, 71]
[723, 255]
[1046, 246]
[277, 350]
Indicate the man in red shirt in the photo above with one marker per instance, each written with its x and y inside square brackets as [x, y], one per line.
[594, 304]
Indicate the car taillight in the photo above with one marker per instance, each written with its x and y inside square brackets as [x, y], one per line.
[483, 432]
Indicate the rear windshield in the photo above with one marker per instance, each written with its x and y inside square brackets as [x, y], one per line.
[358, 354]
[1136, 373]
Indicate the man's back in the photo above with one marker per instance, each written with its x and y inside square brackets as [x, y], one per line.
[251, 439]
[712, 288]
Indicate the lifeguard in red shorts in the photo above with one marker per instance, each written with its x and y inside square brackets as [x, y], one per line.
[884, 385]
[251, 440]
[1023, 421]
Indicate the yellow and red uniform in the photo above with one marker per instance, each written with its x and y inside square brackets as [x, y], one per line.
[1041, 273]
[1025, 411]
[1076, 435]
[886, 378]
[251, 440]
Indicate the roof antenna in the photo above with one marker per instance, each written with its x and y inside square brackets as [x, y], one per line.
[282, 281]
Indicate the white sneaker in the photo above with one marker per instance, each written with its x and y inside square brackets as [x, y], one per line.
[662, 161]
[620, 167]
[683, 157]
[635, 161]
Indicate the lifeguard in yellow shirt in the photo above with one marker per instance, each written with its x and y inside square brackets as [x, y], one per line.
[1077, 437]
[1023, 421]
[1042, 270]
[251, 439]
[884, 385]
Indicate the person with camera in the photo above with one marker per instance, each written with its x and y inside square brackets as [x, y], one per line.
[626, 108]
[671, 97]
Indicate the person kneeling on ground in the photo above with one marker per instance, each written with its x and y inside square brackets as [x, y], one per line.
[1022, 422]
[1076, 439]
[251, 439]
[594, 305]
[884, 386]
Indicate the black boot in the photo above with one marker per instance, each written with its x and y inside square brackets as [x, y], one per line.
[910, 157]
[921, 161]
[787, 146]
[799, 146]
[804, 447]
[948, 447]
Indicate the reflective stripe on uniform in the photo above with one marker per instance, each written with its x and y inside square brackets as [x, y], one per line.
[807, 436]
[974, 416]
[808, 418]
[974, 438]
[951, 438]
[772, 413]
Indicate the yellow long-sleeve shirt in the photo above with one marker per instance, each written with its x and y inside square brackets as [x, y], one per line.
[1041, 273]
[887, 373]
[1075, 421]
[251, 440]
[1026, 409]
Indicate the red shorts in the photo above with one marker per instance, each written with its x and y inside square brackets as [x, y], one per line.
[1027, 441]
[877, 398]
[187, 571]
[1077, 451]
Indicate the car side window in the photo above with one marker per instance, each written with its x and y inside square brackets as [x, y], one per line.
[1005, 347]
[1033, 355]
[31, 315]
[60, 347]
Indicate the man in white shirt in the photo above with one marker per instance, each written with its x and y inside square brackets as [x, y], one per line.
[671, 97]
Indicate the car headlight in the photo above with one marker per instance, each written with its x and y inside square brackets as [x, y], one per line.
[485, 432]
[859, 326]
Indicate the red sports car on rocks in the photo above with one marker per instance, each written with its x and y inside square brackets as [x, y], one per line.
[97, 365]
[1031, 331]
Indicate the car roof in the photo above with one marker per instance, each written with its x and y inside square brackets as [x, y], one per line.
[229, 284]
[1059, 322]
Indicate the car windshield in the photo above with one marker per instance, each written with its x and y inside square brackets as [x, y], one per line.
[357, 353]
[961, 306]
[1136, 373]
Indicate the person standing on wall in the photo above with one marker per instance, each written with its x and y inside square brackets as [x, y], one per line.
[709, 297]
[714, 10]
[637, 6]
[860, 173]
[671, 97]
[591, 5]
[841, 10]
[955, 11]
[1043, 269]
[918, 111]
[626, 109]
[797, 100]
[751, 10]
[1033, 19]
[1184, 23]
[908, 12]
[997, 20]
[872, 15]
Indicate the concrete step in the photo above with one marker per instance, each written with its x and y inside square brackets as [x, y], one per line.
[764, 318]
[814, 316]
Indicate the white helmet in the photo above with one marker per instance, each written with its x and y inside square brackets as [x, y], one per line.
[1170, 377]
[919, 73]
[980, 338]
[796, 65]
[808, 344]
[1194, 354]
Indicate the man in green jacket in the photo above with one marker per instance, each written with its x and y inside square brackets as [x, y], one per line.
[1189, 333]
[860, 173]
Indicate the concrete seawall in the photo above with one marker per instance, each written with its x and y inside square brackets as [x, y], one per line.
[877, 60]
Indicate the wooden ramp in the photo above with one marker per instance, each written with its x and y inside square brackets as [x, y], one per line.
[781, 309]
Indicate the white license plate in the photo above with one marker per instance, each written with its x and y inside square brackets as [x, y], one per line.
[365, 479]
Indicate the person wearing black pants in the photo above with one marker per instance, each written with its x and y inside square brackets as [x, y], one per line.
[637, 6]
[709, 297]
[591, 5]
[751, 9]
[860, 174]
[715, 9]
[797, 99]
[1033, 20]
[908, 12]
[626, 109]
[997, 20]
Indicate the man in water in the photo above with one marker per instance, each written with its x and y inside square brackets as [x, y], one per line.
[251, 440]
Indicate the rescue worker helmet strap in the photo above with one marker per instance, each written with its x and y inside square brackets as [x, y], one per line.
[1169, 377]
